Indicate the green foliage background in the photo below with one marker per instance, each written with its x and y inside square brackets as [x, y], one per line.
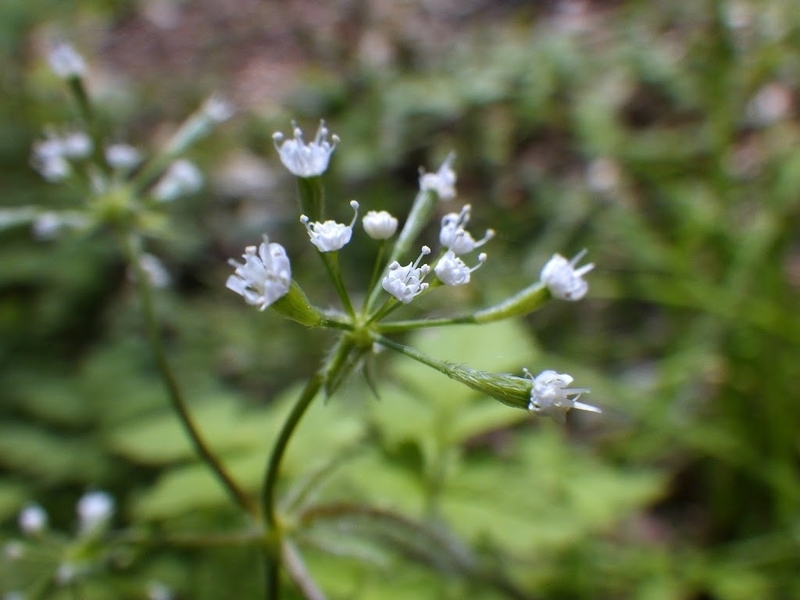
[633, 129]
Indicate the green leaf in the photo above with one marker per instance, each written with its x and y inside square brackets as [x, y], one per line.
[243, 439]
[550, 495]
[54, 458]
[12, 496]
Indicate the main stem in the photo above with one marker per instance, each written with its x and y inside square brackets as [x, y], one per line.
[273, 534]
[132, 249]
[336, 361]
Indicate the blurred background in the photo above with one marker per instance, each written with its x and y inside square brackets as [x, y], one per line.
[661, 136]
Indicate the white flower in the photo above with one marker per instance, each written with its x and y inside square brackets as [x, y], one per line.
[305, 160]
[52, 169]
[442, 182]
[405, 283]
[330, 235]
[264, 277]
[562, 278]
[95, 510]
[122, 156]
[217, 108]
[451, 270]
[66, 573]
[50, 155]
[379, 225]
[454, 237]
[550, 396]
[154, 270]
[66, 62]
[32, 519]
[181, 178]
[158, 591]
[76, 144]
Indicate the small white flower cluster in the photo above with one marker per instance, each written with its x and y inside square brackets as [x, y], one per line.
[550, 396]
[94, 510]
[562, 278]
[406, 283]
[330, 236]
[443, 182]
[52, 156]
[305, 160]
[265, 276]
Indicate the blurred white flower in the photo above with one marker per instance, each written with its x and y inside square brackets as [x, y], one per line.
[550, 396]
[306, 160]
[32, 519]
[154, 269]
[442, 182]
[181, 179]
[379, 225]
[122, 156]
[218, 109]
[50, 155]
[76, 144]
[13, 550]
[454, 237]
[158, 591]
[562, 278]
[264, 277]
[405, 283]
[330, 235]
[451, 270]
[772, 104]
[95, 510]
[66, 62]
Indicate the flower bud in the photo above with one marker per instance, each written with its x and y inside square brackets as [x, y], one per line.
[379, 225]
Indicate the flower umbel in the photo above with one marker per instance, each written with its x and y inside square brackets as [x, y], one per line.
[454, 237]
[451, 270]
[265, 276]
[306, 160]
[550, 396]
[405, 283]
[443, 182]
[330, 235]
[562, 278]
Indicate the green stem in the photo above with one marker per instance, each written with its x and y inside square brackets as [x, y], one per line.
[273, 543]
[133, 251]
[331, 262]
[272, 559]
[411, 325]
[376, 271]
[299, 573]
[312, 197]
